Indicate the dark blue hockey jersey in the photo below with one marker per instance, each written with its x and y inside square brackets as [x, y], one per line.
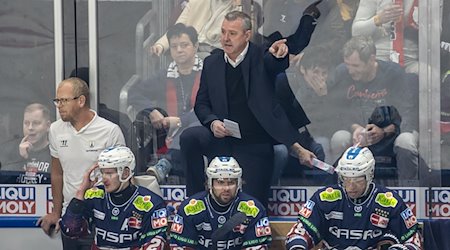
[140, 221]
[333, 217]
[196, 220]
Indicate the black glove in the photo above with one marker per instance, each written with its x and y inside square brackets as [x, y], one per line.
[312, 10]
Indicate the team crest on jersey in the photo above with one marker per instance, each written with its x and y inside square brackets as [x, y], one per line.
[409, 218]
[143, 203]
[330, 195]
[221, 219]
[93, 193]
[194, 207]
[378, 220]
[386, 199]
[248, 208]
[307, 208]
[135, 221]
[177, 225]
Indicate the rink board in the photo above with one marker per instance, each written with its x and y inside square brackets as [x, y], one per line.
[21, 205]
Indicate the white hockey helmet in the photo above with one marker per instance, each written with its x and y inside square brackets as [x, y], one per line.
[224, 167]
[357, 162]
[119, 157]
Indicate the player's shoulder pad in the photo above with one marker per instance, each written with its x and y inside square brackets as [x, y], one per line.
[330, 194]
[97, 192]
[387, 198]
[249, 205]
[143, 202]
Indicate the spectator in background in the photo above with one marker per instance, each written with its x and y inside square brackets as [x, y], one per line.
[206, 17]
[237, 84]
[170, 96]
[33, 147]
[364, 83]
[76, 140]
[222, 207]
[394, 29]
[304, 90]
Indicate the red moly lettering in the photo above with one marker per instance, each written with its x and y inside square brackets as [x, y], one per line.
[440, 210]
[412, 206]
[284, 209]
[17, 207]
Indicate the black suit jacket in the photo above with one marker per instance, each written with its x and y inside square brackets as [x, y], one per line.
[259, 70]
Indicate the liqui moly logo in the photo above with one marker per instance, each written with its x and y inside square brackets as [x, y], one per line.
[440, 203]
[49, 199]
[286, 202]
[409, 196]
[173, 195]
[17, 200]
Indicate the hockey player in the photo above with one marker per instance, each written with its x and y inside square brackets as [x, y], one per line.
[238, 220]
[357, 213]
[125, 216]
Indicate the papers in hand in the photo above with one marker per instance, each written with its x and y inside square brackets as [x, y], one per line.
[233, 127]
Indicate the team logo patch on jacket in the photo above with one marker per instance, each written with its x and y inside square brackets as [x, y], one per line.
[379, 221]
[386, 199]
[94, 192]
[143, 203]
[307, 208]
[262, 227]
[159, 218]
[409, 218]
[330, 195]
[194, 207]
[248, 208]
[177, 225]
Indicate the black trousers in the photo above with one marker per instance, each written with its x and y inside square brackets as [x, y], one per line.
[256, 161]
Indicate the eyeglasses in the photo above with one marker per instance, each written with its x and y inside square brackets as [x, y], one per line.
[63, 101]
[181, 45]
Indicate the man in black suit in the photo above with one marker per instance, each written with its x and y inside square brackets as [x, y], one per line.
[237, 84]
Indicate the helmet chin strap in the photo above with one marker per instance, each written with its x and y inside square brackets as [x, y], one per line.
[121, 187]
[123, 184]
[367, 189]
